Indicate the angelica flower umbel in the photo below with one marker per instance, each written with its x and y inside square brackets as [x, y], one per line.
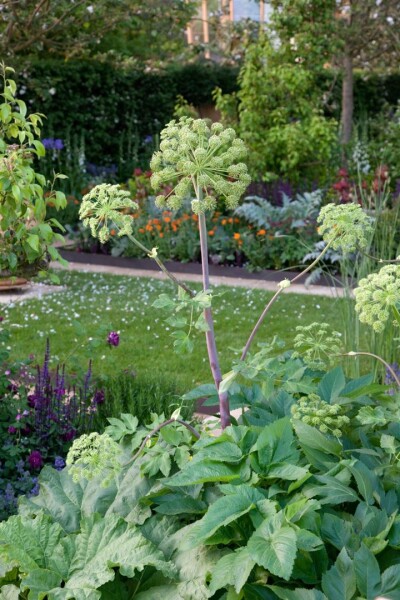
[94, 454]
[316, 344]
[200, 158]
[313, 411]
[378, 297]
[345, 227]
[107, 205]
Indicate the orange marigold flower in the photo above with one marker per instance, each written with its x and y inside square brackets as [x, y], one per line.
[161, 235]
[223, 222]
[261, 232]
[141, 230]
[167, 219]
[149, 227]
[230, 220]
[236, 236]
[211, 232]
[236, 220]
[112, 232]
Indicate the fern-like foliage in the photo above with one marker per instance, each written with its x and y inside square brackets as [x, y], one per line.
[262, 214]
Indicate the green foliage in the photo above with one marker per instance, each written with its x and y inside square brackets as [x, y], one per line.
[141, 395]
[119, 30]
[26, 236]
[265, 510]
[286, 132]
[131, 104]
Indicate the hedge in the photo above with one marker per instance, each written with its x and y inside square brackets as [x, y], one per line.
[118, 110]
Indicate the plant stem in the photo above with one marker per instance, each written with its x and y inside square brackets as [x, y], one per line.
[388, 367]
[210, 335]
[157, 429]
[163, 268]
[274, 297]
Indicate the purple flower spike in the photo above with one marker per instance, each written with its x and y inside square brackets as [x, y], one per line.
[12, 429]
[35, 459]
[113, 338]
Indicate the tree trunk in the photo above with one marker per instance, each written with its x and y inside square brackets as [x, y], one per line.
[347, 98]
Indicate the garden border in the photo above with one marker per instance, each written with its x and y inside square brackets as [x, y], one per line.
[186, 268]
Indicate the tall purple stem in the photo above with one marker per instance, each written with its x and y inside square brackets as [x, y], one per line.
[210, 336]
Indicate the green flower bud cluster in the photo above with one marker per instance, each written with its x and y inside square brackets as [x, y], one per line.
[105, 206]
[316, 344]
[345, 227]
[94, 454]
[378, 297]
[199, 157]
[313, 411]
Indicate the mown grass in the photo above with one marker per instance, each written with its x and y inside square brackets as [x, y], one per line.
[77, 320]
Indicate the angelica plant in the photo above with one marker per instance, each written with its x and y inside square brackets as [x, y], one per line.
[200, 159]
[343, 227]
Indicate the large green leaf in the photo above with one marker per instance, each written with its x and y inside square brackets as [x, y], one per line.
[232, 569]
[332, 492]
[338, 532]
[223, 511]
[367, 482]
[193, 567]
[203, 471]
[223, 452]
[332, 384]
[391, 583]
[276, 445]
[59, 496]
[340, 581]
[299, 594]
[60, 567]
[29, 543]
[273, 546]
[367, 573]
[9, 592]
[132, 487]
[312, 438]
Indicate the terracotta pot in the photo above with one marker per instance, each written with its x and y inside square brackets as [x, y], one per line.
[12, 283]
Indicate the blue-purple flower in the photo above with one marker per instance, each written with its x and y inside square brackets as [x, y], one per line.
[113, 338]
[53, 144]
[59, 463]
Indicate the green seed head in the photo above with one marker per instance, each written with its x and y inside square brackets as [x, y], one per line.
[105, 206]
[345, 226]
[378, 297]
[200, 158]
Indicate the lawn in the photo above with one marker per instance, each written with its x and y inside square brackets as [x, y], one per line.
[77, 320]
